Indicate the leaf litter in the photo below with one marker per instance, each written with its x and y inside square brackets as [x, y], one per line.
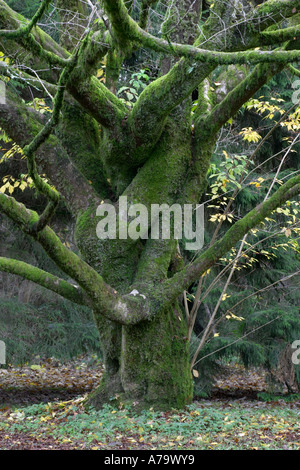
[42, 408]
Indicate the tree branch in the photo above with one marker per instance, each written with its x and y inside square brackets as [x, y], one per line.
[268, 38]
[145, 7]
[174, 287]
[233, 101]
[106, 108]
[22, 31]
[270, 12]
[44, 279]
[30, 149]
[158, 99]
[127, 29]
[22, 124]
[108, 302]
[294, 70]
[25, 30]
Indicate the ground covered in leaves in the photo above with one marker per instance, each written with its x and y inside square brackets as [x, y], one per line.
[41, 407]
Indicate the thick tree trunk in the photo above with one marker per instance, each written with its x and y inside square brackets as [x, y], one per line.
[147, 365]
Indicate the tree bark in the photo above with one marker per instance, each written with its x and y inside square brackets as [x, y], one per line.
[153, 366]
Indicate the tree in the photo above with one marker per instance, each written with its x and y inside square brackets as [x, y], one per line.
[96, 147]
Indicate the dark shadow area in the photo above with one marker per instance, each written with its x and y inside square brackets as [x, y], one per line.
[27, 397]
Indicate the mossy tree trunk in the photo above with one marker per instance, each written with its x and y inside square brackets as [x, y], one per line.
[148, 364]
[152, 153]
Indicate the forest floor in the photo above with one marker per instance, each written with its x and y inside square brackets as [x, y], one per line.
[41, 408]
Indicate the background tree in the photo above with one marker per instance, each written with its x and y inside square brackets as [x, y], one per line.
[151, 147]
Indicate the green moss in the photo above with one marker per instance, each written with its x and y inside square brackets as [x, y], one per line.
[154, 262]
[116, 260]
[153, 367]
[80, 135]
[43, 278]
[155, 362]
[274, 8]
[109, 391]
[171, 156]
[114, 60]
[25, 29]
[103, 105]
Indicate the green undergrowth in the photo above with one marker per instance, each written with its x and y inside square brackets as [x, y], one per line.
[269, 397]
[204, 425]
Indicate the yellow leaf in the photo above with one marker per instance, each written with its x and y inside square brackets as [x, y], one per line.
[195, 373]
[225, 296]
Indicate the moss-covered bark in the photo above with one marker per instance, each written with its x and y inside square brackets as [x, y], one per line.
[22, 124]
[154, 365]
[80, 134]
[73, 19]
[155, 361]
[45, 279]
